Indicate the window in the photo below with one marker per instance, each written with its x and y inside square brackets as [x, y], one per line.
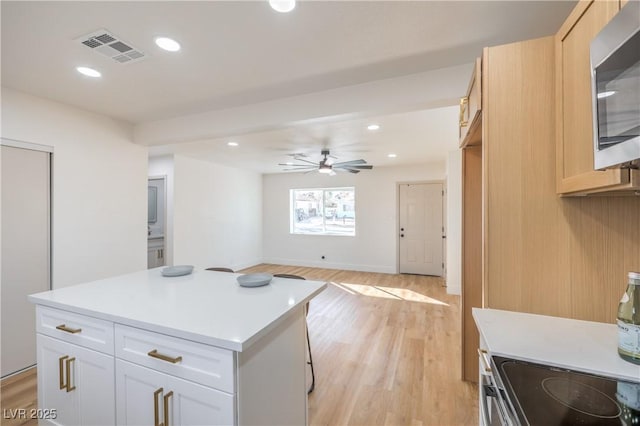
[323, 211]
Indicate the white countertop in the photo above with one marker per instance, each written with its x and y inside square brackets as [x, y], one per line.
[586, 346]
[206, 306]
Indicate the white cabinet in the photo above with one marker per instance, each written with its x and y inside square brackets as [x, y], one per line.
[77, 382]
[146, 396]
[155, 252]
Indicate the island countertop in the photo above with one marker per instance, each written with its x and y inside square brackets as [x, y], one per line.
[206, 306]
[585, 346]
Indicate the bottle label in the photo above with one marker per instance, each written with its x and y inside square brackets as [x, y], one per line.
[629, 338]
[629, 394]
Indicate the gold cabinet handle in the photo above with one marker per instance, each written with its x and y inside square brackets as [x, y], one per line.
[166, 408]
[63, 327]
[68, 365]
[154, 354]
[61, 370]
[156, 409]
[463, 107]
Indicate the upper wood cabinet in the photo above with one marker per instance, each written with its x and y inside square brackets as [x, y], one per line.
[470, 121]
[575, 174]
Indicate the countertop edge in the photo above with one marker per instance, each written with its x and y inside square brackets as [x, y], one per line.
[555, 361]
[184, 334]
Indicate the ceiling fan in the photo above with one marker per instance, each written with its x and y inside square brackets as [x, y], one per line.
[326, 165]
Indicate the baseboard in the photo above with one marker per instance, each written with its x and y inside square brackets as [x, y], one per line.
[332, 265]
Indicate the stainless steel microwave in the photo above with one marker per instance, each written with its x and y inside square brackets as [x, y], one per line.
[615, 87]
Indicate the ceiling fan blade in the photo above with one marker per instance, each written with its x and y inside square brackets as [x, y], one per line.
[299, 170]
[307, 161]
[362, 167]
[295, 165]
[344, 163]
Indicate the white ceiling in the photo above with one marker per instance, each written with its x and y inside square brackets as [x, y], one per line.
[243, 53]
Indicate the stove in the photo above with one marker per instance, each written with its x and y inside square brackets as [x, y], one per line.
[544, 395]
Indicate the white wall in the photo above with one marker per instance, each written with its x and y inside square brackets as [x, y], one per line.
[454, 222]
[163, 166]
[99, 182]
[217, 215]
[374, 248]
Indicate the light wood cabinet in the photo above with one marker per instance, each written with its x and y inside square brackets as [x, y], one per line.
[575, 174]
[76, 381]
[470, 119]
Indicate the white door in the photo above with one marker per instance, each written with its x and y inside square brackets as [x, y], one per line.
[25, 252]
[420, 229]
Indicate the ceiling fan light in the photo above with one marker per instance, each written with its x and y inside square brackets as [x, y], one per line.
[282, 6]
[325, 170]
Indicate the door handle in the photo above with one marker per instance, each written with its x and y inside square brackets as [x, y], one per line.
[63, 327]
[166, 407]
[61, 370]
[156, 408]
[68, 364]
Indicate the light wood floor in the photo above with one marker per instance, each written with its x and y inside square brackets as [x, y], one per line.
[386, 351]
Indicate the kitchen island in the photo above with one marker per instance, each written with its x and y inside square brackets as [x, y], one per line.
[196, 349]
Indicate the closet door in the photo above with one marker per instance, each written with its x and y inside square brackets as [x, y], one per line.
[25, 251]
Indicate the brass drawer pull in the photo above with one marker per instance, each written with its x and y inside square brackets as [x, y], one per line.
[61, 370]
[156, 410]
[64, 327]
[68, 363]
[154, 354]
[166, 408]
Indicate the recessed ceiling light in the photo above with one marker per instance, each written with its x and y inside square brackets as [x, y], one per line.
[232, 143]
[89, 72]
[606, 94]
[282, 6]
[373, 126]
[168, 44]
[391, 155]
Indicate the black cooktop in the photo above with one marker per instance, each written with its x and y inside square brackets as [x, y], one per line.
[544, 395]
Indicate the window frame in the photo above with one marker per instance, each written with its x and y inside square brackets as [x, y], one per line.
[324, 190]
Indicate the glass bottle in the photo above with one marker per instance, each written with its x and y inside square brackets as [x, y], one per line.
[629, 321]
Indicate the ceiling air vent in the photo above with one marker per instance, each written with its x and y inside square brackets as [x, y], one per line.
[107, 44]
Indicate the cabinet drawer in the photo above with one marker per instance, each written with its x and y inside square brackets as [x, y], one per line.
[204, 364]
[81, 330]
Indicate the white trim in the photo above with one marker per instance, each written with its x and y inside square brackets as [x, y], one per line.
[328, 265]
[418, 182]
[26, 145]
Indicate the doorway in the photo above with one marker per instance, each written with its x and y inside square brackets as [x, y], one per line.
[421, 230]
[156, 219]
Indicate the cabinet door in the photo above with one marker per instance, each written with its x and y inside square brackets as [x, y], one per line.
[194, 404]
[146, 396]
[52, 394]
[138, 394]
[575, 168]
[92, 375]
[76, 381]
